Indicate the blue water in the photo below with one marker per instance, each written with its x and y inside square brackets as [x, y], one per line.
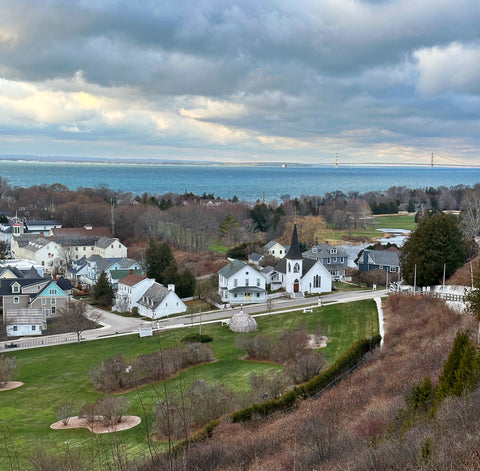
[248, 183]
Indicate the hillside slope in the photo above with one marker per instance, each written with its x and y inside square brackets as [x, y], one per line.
[350, 427]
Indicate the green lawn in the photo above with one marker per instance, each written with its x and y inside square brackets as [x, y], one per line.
[56, 375]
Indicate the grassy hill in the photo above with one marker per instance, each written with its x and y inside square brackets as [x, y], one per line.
[55, 375]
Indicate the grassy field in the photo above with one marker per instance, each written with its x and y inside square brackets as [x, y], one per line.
[56, 375]
[395, 221]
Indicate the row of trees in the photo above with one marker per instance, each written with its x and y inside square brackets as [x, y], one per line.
[183, 221]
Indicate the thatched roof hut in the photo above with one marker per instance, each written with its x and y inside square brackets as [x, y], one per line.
[242, 322]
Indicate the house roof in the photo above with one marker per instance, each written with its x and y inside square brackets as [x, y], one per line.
[324, 251]
[383, 257]
[233, 267]
[6, 284]
[267, 270]
[104, 242]
[307, 264]
[270, 244]
[153, 296]
[32, 241]
[255, 257]
[82, 231]
[24, 316]
[131, 279]
[119, 274]
[72, 240]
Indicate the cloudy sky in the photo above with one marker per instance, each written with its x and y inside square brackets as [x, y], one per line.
[276, 80]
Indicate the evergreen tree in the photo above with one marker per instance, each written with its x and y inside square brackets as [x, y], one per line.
[103, 291]
[185, 286]
[158, 257]
[461, 369]
[437, 242]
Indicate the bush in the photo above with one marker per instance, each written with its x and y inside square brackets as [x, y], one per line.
[197, 338]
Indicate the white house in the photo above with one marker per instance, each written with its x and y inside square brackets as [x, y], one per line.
[299, 275]
[158, 301]
[39, 249]
[130, 290]
[24, 322]
[110, 247]
[239, 283]
[276, 249]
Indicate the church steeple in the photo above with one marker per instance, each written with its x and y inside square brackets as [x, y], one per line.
[294, 250]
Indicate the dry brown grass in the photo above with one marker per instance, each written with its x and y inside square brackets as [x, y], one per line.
[344, 429]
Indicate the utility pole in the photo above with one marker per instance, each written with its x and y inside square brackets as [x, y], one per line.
[431, 161]
[112, 205]
[336, 159]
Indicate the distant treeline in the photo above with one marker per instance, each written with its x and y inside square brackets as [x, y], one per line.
[191, 221]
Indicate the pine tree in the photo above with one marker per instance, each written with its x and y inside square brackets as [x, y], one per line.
[103, 291]
[185, 286]
[461, 369]
[436, 243]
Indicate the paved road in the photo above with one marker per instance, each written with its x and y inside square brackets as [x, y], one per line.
[114, 325]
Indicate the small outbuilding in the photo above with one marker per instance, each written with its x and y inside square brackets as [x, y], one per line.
[243, 323]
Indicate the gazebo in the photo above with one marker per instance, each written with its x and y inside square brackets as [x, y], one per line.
[243, 323]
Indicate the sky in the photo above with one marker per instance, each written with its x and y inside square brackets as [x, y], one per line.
[242, 81]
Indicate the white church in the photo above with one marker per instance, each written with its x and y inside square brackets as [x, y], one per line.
[299, 275]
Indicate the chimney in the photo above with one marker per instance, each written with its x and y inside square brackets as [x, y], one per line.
[131, 271]
[171, 288]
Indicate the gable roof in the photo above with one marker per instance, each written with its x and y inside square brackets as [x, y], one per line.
[307, 264]
[382, 257]
[255, 257]
[131, 279]
[325, 251]
[81, 231]
[105, 242]
[153, 296]
[233, 267]
[6, 285]
[24, 316]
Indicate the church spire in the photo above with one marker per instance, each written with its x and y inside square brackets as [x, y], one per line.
[294, 250]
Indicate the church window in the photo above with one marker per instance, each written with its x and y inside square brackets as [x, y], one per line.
[317, 281]
[296, 268]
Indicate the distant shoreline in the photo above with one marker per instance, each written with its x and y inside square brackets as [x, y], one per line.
[208, 163]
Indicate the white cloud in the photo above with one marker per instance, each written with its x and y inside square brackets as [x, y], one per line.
[453, 68]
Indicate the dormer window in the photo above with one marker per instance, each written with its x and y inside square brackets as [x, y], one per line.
[314, 249]
[16, 288]
[334, 250]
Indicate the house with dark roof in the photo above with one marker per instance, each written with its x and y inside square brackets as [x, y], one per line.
[255, 258]
[158, 301]
[299, 275]
[387, 260]
[333, 258]
[240, 283]
[24, 296]
[129, 290]
[42, 250]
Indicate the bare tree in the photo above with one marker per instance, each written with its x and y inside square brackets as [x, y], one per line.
[64, 412]
[74, 316]
[7, 369]
[470, 215]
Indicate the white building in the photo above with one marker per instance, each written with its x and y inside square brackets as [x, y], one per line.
[158, 301]
[299, 275]
[130, 290]
[239, 283]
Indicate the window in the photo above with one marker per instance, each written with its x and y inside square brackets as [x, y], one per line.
[258, 295]
[235, 282]
[247, 282]
[44, 301]
[54, 309]
[53, 301]
[52, 291]
[16, 300]
[84, 249]
[15, 328]
[296, 268]
[33, 327]
[258, 282]
[317, 281]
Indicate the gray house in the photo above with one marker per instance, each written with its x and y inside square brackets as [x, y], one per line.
[387, 260]
[335, 259]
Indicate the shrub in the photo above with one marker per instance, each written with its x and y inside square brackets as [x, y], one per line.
[197, 338]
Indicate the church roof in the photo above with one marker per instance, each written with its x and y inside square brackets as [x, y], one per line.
[294, 250]
[307, 264]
